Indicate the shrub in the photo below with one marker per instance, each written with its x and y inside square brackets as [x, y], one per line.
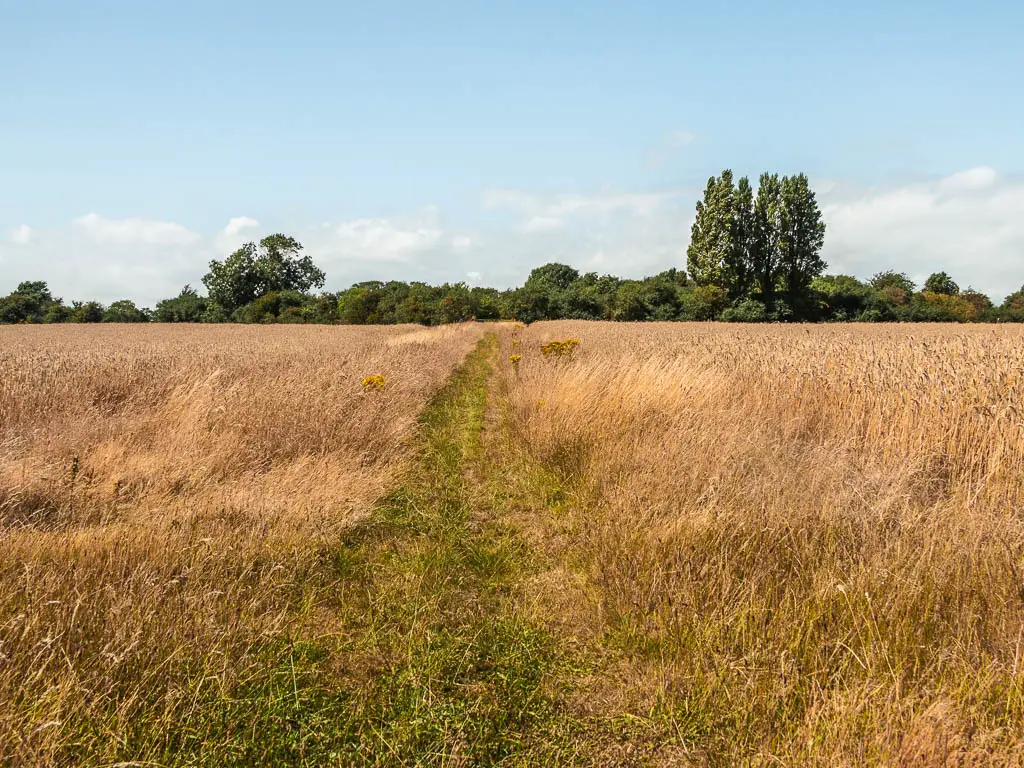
[125, 311]
[270, 307]
[187, 307]
[747, 311]
[1012, 308]
[704, 302]
[86, 312]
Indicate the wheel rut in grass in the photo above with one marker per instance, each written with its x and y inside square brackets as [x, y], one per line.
[452, 672]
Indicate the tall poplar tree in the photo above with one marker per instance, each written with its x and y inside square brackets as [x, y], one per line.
[739, 264]
[710, 251]
[766, 255]
[765, 246]
[800, 240]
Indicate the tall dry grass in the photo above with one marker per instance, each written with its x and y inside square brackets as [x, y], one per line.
[167, 498]
[806, 541]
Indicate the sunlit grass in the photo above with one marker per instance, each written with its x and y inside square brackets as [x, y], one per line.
[804, 541]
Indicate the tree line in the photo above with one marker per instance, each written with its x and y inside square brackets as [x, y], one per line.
[753, 257]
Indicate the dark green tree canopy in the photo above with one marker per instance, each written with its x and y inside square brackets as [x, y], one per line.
[843, 297]
[37, 289]
[762, 246]
[940, 282]
[187, 307]
[254, 270]
[32, 302]
[739, 264]
[125, 311]
[1012, 309]
[766, 253]
[554, 276]
[892, 279]
[801, 239]
[711, 249]
[86, 312]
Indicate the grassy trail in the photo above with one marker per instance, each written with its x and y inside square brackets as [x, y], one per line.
[457, 622]
[427, 636]
[459, 676]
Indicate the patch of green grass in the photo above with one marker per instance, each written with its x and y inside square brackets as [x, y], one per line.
[466, 678]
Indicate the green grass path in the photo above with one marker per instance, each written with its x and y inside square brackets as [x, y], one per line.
[430, 649]
[458, 675]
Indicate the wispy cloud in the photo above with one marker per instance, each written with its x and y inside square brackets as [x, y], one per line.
[387, 239]
[20, 235]
[969, 224]
[671, 144]
[545, 213]
[541, 224]
[127, 231]
[238, 223]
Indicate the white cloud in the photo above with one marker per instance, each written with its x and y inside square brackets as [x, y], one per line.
[638, 204]
[238, 223]
[975, 178]
[128, 231]
[630, 233]
[969, 224]
[20, 235]
[553, 206]
[547, 213]
[824, 186]
[541, 224]
[412, 246]
[85, 261]
[474, 277]
[384, 240]
[234, 234]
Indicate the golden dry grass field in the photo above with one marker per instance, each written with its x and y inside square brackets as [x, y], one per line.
[675, 544]
[165, 494]
[808, 539]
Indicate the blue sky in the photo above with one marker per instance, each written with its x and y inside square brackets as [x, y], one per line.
[473, 141]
